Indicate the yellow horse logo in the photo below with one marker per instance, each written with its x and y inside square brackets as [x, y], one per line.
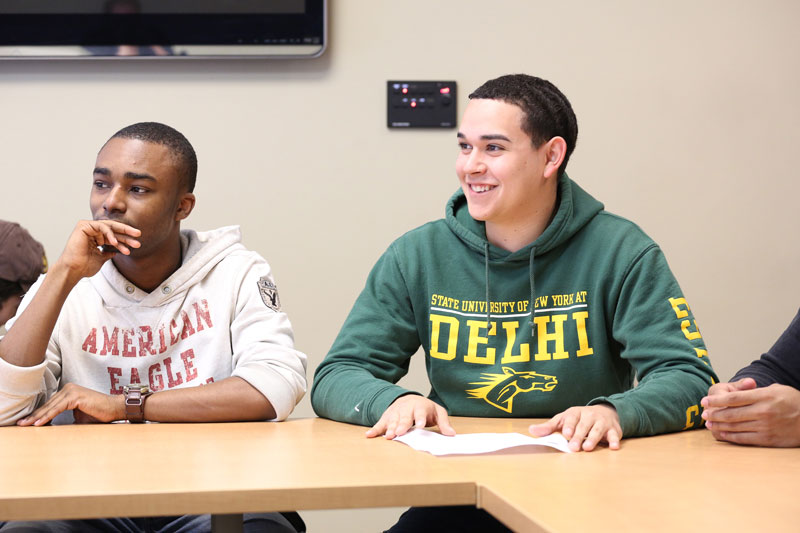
[499, 389]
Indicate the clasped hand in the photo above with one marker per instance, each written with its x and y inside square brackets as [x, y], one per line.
[740, 412]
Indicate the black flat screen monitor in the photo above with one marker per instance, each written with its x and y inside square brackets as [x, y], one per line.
[162, 28]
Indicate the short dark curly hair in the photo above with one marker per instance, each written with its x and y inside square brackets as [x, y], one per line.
[178, 145]
[547, 112]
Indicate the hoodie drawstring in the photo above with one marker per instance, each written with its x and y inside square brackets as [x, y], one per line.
[533, 287]
[486, 280]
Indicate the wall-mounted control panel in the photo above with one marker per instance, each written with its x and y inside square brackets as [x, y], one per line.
[421, 104]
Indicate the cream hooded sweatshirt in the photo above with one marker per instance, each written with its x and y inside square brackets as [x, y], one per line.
[217, 316]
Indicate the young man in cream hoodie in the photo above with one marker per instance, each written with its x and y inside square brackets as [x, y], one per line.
[138, 320]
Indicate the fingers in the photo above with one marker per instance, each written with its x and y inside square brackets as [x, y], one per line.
[748, 438]
[720, 388]
[116, 235]
[93, 405]
[585, 427]
[377, 430]
[403, 422]
[582, 436]
[92, 243]
[546, 428]
[718, 394]
[597, 432]
[744, 384]
[45, 413]
[728, 414]
[570, 422]
[613, 437]
[738, 427]
[397, 419]
[732, 399]
[410, 411]
[443, 422]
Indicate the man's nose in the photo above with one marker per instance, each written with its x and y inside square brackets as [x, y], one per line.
[474, 164]
[115, 201]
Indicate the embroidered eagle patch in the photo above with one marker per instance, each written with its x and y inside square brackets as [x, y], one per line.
[269, 294]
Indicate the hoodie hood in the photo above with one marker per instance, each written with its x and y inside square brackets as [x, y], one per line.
[201, 251]
[575, 208]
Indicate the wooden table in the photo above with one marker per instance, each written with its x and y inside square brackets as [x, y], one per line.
[680, 482]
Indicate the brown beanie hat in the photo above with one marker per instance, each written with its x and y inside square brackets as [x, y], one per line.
[22, 257]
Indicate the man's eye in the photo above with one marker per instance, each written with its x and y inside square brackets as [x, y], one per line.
[138, 190]
[493, 148]
[100, 185]
[464, 146]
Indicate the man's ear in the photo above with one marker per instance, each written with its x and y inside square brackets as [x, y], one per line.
[554, 150]
[185, 206]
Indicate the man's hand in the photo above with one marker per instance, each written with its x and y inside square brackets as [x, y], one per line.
[724, 388]
[26, 343]
[741, 413]
[411, 411]
[585, 427]
[89, 406]
[83, 256]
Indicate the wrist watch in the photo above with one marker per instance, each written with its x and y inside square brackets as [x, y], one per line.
[135, 395]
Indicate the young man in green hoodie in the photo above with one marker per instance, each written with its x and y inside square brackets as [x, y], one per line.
[529, 299]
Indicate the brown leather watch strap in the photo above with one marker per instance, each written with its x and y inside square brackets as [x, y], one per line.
[135, 395]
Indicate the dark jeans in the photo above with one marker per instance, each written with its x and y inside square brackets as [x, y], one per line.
[462, 518]
[252, 523]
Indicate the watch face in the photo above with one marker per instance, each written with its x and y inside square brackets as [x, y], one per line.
[143, 389]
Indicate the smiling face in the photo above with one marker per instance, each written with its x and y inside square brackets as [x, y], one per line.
[509, 183]
[138, 183]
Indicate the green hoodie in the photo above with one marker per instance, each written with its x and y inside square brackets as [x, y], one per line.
[607, 310]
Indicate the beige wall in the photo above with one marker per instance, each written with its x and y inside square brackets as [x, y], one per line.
[688, 112]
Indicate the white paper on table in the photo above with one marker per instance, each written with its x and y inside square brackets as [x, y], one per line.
[476, 443]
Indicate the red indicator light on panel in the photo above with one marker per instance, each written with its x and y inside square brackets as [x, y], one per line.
[405, 90]
[445, 90]
[413, 104]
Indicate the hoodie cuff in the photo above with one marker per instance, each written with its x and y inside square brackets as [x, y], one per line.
[21, 381]
[628, 416]
[383, 399]
[275, 387]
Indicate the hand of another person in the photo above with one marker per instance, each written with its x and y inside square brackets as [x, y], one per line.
[721, 389]
[740, 413]
[585, 427]
[89, 406]
[83, 255]
[411, 411]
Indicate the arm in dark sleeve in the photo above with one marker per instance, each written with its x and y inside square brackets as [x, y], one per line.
[781, 364]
